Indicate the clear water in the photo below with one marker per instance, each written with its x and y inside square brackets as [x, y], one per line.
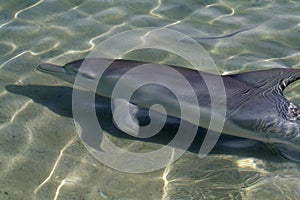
[41, 155]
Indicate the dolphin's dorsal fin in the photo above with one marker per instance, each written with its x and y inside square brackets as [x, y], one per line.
[277, 79]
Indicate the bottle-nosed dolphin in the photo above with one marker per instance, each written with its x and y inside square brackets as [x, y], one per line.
[255, 105]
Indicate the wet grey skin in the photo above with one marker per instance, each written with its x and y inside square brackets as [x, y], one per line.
[255, 105]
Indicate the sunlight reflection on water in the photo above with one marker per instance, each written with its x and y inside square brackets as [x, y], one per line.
[43, 156]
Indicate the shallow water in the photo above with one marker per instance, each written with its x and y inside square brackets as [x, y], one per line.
[41, 154]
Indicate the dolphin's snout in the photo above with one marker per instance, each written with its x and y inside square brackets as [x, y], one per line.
[50, 68]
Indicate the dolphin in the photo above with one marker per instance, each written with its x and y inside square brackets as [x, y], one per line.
[255, 105]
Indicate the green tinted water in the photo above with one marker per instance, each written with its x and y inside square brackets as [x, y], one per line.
[41, 156]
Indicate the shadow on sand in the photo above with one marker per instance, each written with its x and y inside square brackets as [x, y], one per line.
[59, 100]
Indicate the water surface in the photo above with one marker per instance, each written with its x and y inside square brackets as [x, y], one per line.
[41, 154]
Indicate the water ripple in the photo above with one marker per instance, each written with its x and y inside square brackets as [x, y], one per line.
[19, 12]
[42, 146]
[61, 153]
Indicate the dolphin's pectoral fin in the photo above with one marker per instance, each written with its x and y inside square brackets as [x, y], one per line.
[125, 116]
[278, 78]
[140, 122]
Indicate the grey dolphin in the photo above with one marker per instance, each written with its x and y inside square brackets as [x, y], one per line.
[256, 106]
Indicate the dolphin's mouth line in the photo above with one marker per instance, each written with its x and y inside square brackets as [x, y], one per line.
[52, 69]
[49, 71]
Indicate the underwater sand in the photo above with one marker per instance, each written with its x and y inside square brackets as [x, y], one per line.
[41, 155]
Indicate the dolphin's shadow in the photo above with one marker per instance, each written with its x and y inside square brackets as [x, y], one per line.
[59, 100]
